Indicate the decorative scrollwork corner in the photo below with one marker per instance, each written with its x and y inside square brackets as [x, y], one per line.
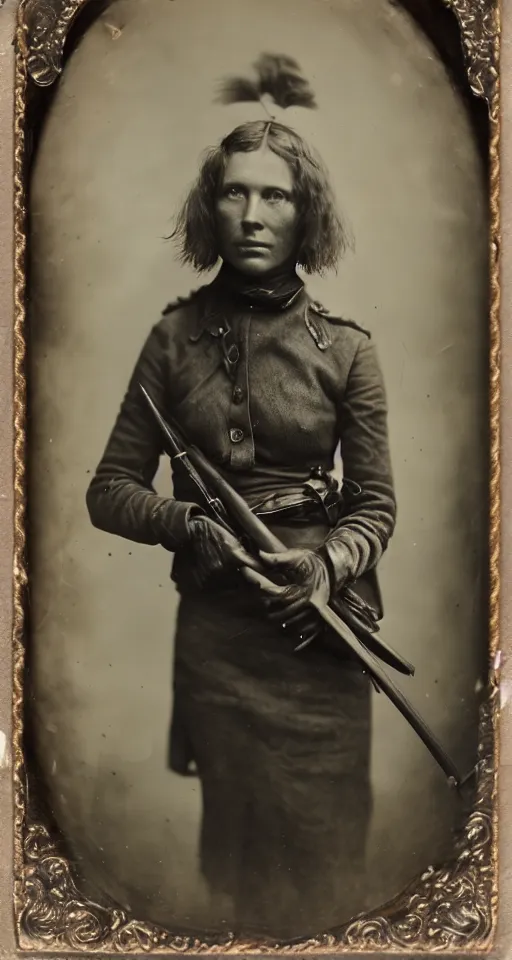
[479, 24]
[44, 27]
[453, 907]
[55, 914]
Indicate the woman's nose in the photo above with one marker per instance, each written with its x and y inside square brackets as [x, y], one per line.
[252, 213]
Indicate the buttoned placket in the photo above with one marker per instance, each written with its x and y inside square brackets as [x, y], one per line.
[240, 426]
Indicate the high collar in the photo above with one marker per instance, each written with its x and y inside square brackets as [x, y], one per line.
[273, 292]
[232, 292]
[215, 306]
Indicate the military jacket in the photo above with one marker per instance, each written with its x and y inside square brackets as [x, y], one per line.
[266, 406]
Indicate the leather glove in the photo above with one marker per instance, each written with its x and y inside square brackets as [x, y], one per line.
[215, 549]
[306, 577]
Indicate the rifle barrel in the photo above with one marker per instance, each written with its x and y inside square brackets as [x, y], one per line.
[176, 449]
[396, 696]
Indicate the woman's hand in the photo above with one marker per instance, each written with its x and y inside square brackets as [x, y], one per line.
[216, 550]
[290, 603]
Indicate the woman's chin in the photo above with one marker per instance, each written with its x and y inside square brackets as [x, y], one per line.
[254, 265]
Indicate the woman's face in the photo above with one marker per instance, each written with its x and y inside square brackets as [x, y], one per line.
[257, 218]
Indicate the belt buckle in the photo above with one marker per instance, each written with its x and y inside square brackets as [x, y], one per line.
[327, 498]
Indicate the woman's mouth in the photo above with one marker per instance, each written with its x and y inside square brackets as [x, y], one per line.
[253, 246]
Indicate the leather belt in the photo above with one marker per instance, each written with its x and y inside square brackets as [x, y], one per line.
[319, 498]
[305, 510]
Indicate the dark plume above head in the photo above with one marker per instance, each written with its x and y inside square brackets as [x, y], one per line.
[277, 77]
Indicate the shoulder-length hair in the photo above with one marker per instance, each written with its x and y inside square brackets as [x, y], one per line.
[322, 238]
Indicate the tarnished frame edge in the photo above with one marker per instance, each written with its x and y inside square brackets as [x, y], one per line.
[449, 909]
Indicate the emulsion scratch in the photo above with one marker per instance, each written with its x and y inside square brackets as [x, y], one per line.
[43, 618]
[115, 32]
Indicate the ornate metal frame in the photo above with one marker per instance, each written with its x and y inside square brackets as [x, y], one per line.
[452, 908]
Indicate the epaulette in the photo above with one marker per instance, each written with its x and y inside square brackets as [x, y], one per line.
[179, 302]
[315, 315]
[345, 322]
[322, 311]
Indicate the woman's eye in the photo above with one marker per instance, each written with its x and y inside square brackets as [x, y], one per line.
[275, 196]
[233, 193]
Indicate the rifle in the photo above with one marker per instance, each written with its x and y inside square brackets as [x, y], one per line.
[224, 505]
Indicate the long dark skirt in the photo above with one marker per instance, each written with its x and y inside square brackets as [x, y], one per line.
[281, 741]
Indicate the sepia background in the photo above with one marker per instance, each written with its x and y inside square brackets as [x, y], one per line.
[131, 117]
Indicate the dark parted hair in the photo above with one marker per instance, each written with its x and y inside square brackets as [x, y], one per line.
[322, 236]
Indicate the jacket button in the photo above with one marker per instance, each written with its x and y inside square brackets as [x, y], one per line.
[238, 395]
[236, 434]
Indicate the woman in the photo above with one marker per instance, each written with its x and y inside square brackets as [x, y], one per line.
[267, 384]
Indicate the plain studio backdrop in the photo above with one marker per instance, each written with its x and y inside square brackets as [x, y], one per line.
[132, 115]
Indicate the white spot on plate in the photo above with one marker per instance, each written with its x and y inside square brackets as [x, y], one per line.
[4, 752]
[504, 694]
